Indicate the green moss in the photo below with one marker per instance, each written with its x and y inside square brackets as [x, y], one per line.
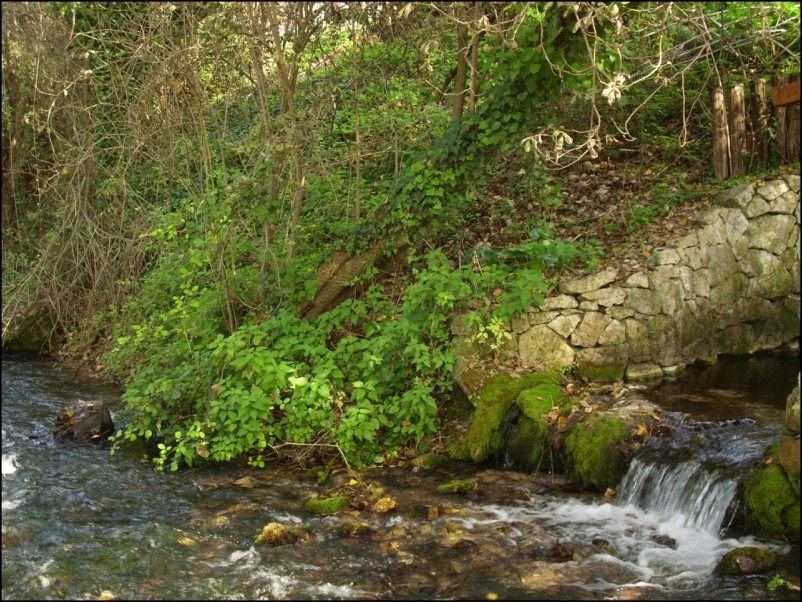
[592, 452]
[772, 505]
[526, 443]
[457, 487]
[330, 505]
[540, 399]
[772, 449]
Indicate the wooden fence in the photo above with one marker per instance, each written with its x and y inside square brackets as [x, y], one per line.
[751, 133]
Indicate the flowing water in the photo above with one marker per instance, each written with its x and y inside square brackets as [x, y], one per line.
[77, 521]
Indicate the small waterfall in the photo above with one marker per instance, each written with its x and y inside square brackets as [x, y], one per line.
[690, 478]
[689, 494]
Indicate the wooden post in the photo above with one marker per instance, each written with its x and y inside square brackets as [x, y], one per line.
[759, 125]
[721, 155]
[792, 121]
[737, 125]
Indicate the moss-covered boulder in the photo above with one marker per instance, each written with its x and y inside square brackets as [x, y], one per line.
[276, 534]
[485, 436]
[528, 429]
[746, 560]
[772, 504]
[593, 451]
[327, 505]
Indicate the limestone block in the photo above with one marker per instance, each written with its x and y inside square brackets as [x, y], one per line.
[665, 256]
[770, 334]
[712, 234]
[460, 326]
[757, 207]
[786, 203]
[542, 317]
[752, 309]
[664, 339]
[724, 294]
[620, 313]
[772, 189]
[638, 279]
[671, 292]
[722, 263]
[683, 242]
[643, 372]
[735, 226]
[736, 339]
[702, 281]
[791, 258]
[686, 281]
[589, 283]
[694, 257]
[770, 277]
[542, 348]
[793, 182]
[644, 301]
[737, 196]
[606, 297]
[520, 323]
[589, 331]
[614, 334]
[589, 306]
[791, 424]
[770, 232]
[793, 239]
[640, 349]
[740, 248]
[713, 217]
[673, 371]
[602, 364]
[565, 325]
[560, 302]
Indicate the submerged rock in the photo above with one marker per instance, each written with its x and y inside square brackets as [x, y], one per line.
[85, 421]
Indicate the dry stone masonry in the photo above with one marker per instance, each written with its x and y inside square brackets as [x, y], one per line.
[729, 287]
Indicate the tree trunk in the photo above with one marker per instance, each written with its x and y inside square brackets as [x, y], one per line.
[737, 125]
[462, 65]
[477, 13]
[721, 159]
[759, 125]
[339, 274]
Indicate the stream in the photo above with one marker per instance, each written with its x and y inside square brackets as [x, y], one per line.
[78, 523]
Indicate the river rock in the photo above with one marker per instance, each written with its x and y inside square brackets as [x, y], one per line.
[84, 421]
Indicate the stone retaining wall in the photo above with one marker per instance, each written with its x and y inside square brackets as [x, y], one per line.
[729, 287]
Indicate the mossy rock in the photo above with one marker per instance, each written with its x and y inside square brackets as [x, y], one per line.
[485, 436]
[457, 487]
[427, 461]
[746, 560]
[354, 528]
[526, 443]
[317, 473]
[772, 504]
[276, 534]
[593, 452]
[330, 505]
